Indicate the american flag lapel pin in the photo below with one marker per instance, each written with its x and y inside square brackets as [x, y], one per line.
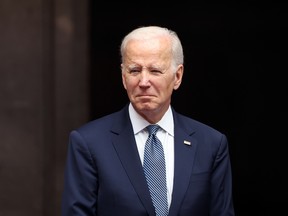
[187, 142]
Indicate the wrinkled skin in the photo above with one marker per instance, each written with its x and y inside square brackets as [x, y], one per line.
[149, 77]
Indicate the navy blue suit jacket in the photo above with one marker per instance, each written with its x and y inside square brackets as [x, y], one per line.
[104, 174]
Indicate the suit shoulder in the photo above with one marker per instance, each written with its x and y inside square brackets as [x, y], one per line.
[102, 124]
[196, 125]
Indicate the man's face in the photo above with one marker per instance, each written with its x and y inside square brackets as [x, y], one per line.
[148, 75]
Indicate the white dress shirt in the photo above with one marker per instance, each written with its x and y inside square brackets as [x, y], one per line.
[165, 134]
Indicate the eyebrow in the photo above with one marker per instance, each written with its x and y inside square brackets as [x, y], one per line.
[140, 66]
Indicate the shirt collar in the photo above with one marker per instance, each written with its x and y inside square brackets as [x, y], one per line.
[139, 123]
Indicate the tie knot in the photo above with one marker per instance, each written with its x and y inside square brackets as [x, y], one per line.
[152, 129]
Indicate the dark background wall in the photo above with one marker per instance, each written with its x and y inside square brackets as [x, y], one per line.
[44, 72]
[60, 67]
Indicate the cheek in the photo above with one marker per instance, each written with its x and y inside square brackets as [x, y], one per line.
[124, 81]
[129, 83]
[168, 84]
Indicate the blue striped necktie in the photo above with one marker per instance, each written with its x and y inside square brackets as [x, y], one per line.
[155, 171]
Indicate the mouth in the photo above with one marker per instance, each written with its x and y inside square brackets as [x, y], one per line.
[145, 98]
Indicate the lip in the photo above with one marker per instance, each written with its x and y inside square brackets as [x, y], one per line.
[145, 96]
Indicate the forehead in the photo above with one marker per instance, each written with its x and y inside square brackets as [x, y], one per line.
[155, 51]
[155, 43]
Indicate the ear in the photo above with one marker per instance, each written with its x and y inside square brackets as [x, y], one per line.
[178, 76]
[123, 76]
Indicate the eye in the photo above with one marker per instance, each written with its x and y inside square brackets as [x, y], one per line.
[156, 71]
[134, 70]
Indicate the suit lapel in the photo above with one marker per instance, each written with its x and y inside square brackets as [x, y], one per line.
[125, 146]
[185, 147]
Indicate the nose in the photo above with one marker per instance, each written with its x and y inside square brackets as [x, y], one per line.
[144, 78]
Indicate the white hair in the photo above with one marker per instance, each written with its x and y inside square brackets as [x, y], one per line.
[149, 31]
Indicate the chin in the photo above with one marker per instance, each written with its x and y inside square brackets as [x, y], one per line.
[144, 106]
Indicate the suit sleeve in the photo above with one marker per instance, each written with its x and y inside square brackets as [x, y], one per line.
[80, 179]
[221, 182]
